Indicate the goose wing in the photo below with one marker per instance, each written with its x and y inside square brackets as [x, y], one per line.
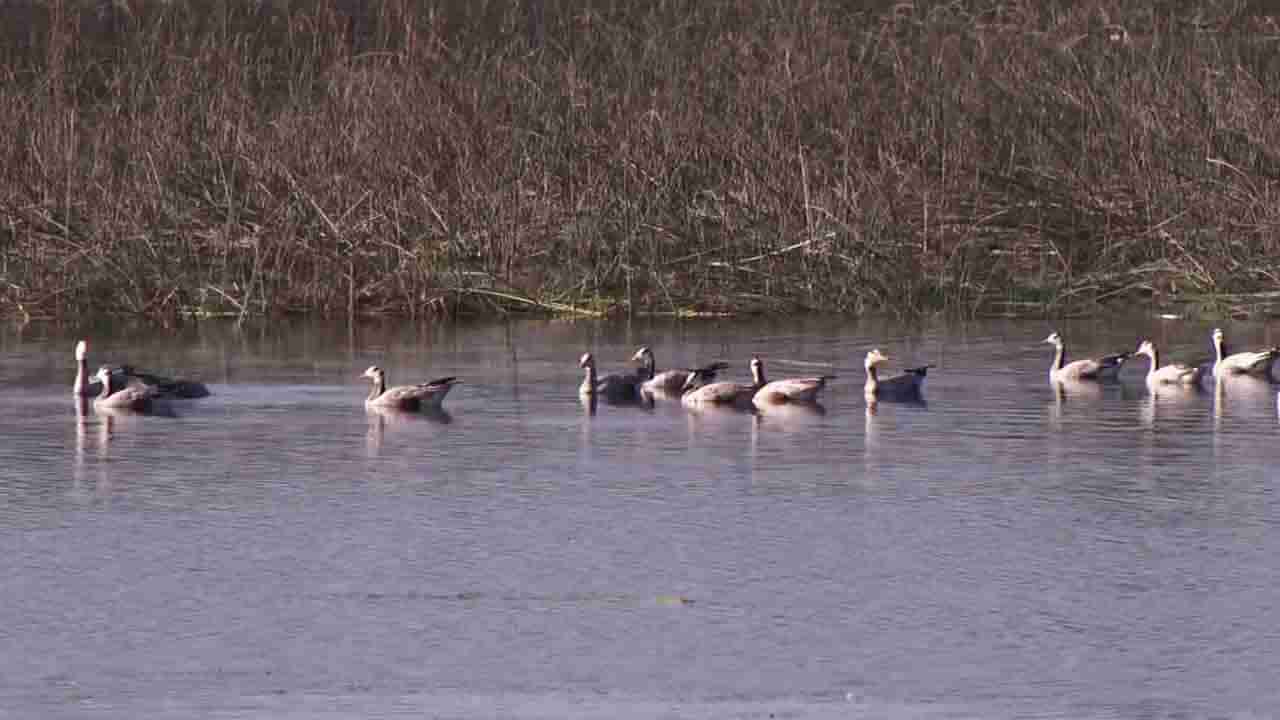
[720, 393]
[1258, 361]
[179, 387]
[673, 381]
[136, 396]
[409, 396]
[1177, 374]
[792, 390]
[1093, 368]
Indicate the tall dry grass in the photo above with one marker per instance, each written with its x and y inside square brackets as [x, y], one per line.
[169, 158]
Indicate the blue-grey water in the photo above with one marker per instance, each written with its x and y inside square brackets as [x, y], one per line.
[274, 551]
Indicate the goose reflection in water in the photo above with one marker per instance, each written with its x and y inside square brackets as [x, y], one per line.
[1239, 392]
[381, 419]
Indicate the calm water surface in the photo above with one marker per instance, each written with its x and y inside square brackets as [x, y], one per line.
[275, 552]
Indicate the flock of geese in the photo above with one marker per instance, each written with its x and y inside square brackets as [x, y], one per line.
[124, 387]
[698, 388]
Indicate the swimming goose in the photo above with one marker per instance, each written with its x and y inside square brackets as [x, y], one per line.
[723, 394]
[1171, 374]
[904, 385]
[1257, 362]
[425, 396]
[133, 396]
[612, 388]
[790, 390]
[178, 388]
[88, 386]
[1105, 367]
[126, 374]
[672, 382]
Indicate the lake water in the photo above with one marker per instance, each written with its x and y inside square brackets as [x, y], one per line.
[273, 551]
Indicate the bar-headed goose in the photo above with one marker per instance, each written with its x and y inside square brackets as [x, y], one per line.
[132, 396]
[127, 374]
[173, 387]
[904, 385]
[1100, 368]
[672, 382]
[790, 390]
[86, 385]
[1255, 362]
[424, 396]
[1171, 374]
[611, 388]
[695, 394]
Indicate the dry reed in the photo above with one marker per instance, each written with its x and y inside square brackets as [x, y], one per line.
[681, 156]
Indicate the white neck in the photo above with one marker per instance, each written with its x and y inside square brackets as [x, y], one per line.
[82, 372]
[1059, 356]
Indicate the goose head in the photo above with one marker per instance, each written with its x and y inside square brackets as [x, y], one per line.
[82, 350]
[1054, 339]
[373, 373]
[1146, 348]
[586, 361]
[691, 383]
[642, 355]
[1218, 336]
[695, 380]
[875, 359]
[757, 369]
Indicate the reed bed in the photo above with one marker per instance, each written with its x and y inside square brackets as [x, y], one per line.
[685, 157]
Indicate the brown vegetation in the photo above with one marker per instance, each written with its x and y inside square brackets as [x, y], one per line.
[170, 158]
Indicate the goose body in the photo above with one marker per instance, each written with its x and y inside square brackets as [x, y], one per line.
[671, 382]
[904, 385]
[1171, 374]
[1257, 362]
[610, 388]
[132, 396]
[722, 394]
[1099, 368]
[790, 390]
[424, 396]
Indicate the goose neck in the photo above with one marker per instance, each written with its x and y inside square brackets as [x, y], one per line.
[82, 375]
[1155, 361]
[377, 386]
[1059, 356]
[650, 366]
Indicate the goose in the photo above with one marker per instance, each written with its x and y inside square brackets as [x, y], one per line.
[1171, 374]
[611, 388]
[178, 388]
[1257, 362]
[722, 394]
[672, 382]
[86, 385]
[904, 385]
[133, 396]
[1105, 367]
[127, 374]
[425, 396]
[790, 390]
